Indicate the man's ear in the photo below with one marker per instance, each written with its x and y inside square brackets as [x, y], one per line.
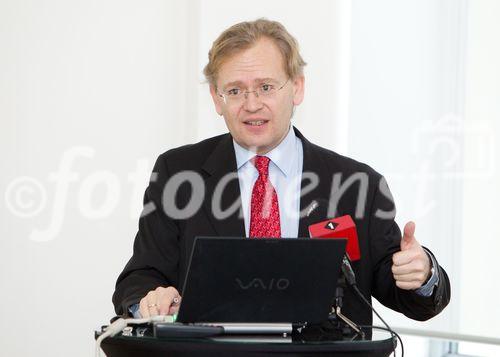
[216, 98]
[298, 89]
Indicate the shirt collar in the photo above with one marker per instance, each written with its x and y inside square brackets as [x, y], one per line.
[280, 155]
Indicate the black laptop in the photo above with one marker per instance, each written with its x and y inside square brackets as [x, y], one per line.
[261, 280]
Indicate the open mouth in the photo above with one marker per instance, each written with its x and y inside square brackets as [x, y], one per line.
[255, 122]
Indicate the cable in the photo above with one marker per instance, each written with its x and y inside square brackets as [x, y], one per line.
[393, 333]
[118, 325]
[351, 280]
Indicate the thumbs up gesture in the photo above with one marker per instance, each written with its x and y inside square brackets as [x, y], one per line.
[411, 266]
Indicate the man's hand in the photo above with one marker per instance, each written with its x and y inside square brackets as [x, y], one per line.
[411, 266]
[161, 301]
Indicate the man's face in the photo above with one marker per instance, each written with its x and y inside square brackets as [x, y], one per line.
[257, 124]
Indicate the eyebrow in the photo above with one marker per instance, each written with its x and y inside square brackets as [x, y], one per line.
[257, 80]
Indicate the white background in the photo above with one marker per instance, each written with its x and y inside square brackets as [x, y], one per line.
[103, 87]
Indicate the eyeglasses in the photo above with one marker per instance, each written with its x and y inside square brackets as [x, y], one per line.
[237, 95]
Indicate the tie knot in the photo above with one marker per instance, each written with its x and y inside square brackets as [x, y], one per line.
[261, 163]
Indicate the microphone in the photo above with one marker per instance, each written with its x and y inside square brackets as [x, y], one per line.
[340, 227]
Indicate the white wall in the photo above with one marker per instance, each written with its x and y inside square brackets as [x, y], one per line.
[95, 80]
[102, 87]
[425, 95]
[480, 271]
[405, 86]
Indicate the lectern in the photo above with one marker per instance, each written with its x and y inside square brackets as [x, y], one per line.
[140, 341]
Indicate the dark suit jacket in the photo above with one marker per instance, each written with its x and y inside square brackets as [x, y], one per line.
[163, 245]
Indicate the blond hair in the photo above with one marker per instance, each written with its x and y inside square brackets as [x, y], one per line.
[243, 36]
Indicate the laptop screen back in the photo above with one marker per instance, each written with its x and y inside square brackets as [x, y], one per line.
[261, 280]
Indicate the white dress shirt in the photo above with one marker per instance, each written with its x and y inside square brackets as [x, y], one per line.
[285, 173]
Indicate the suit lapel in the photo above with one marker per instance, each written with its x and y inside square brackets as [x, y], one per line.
[220, 163]
[312, 163]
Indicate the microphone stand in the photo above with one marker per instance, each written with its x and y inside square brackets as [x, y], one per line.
[337, 318]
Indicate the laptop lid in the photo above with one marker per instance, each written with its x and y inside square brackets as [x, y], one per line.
[261, 280]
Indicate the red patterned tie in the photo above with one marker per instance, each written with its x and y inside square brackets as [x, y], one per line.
[265, 213]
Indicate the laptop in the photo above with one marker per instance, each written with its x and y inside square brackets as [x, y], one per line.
[265, 280]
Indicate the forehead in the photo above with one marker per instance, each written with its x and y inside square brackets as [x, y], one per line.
[262, 60]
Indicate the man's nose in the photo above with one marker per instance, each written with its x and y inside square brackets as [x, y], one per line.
[252, 102]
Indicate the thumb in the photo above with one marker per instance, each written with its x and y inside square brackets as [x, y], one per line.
[408, 235]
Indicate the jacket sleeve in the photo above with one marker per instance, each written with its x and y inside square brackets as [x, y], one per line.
[155, 257]
[385, 240]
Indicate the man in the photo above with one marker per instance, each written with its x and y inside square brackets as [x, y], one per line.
[258, 180]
